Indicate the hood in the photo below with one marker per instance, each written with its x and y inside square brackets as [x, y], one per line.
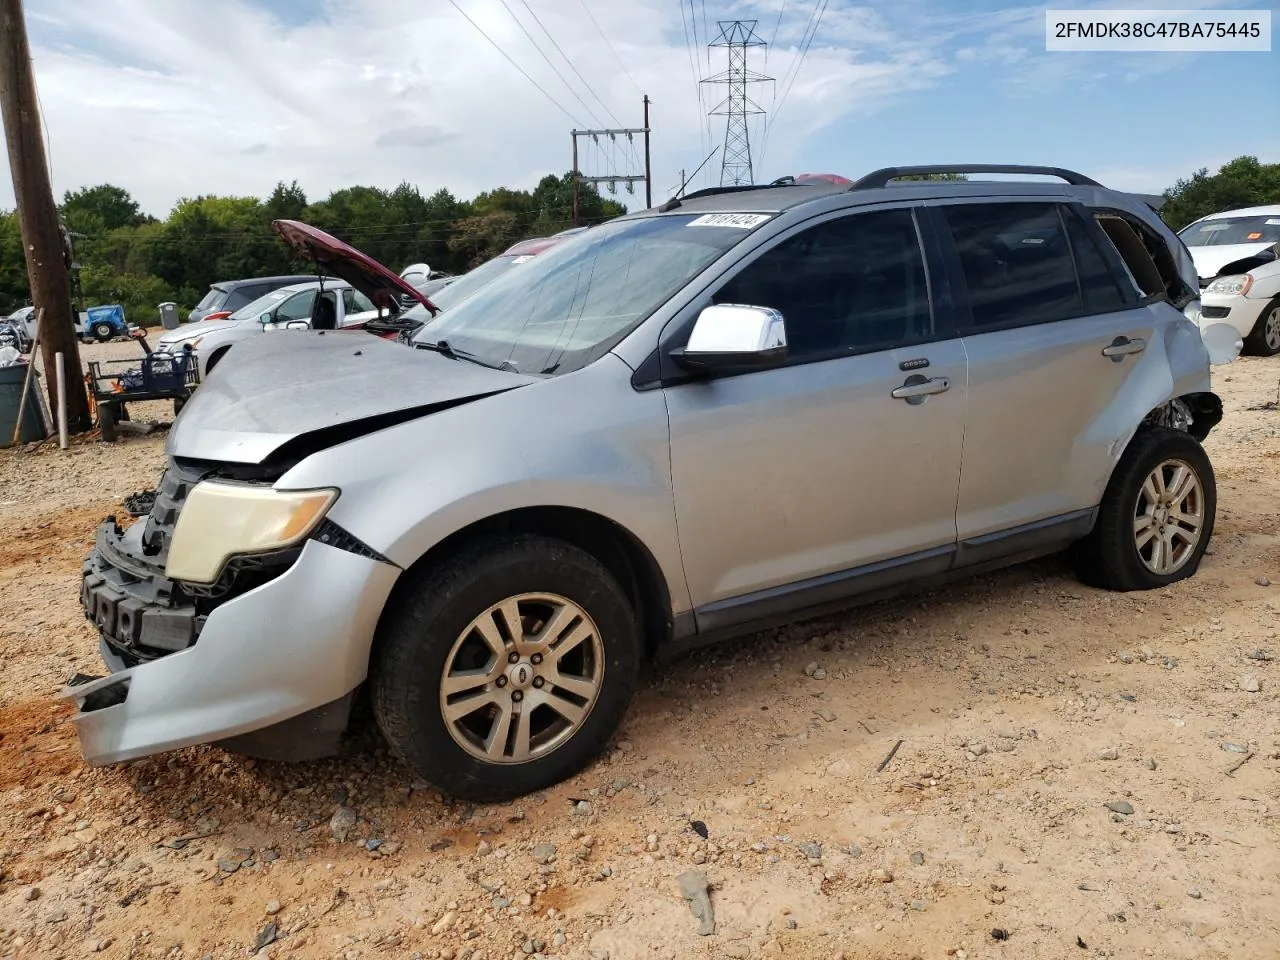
[1210, 260]
[197, 328]
[367, 275]
[286, 397]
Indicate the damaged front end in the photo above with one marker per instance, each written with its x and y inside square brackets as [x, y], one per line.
[256, 661]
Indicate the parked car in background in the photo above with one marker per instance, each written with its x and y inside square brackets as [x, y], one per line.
[417, 274]
[1222, 238]
[227, 296]
[742, 407]
[1246, 294]
[331, 305]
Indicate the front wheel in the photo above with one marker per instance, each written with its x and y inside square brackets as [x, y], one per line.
[103, 332]
[1156, 516]
[1264, 339]
[507, 669]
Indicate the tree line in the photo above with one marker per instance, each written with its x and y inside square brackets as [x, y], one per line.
[128, 257]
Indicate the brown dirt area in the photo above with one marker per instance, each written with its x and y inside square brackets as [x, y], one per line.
[1009, 694]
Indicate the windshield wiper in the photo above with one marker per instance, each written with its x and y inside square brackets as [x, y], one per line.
[453, 353]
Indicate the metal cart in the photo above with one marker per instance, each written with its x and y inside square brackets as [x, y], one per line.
[158, 376]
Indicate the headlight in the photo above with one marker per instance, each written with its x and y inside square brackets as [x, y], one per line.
[221, 520]
[1231, 286]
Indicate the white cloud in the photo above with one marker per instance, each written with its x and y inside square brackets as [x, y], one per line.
[172, 98]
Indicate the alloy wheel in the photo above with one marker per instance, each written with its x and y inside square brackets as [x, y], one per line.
[1169, 517]
[521, 678]
[1271, 329]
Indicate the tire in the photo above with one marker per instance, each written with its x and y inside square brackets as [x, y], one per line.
[102, 332]
[429, 628]
[1264, 339]
[1111, 556]
[107, 420]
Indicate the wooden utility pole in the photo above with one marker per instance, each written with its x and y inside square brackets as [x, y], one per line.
[648, 171]
[575, 177]
[38, 215]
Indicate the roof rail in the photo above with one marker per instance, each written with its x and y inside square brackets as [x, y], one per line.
[880, 178]
[675, 202]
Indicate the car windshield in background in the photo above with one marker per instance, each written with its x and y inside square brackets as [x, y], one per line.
[570, 305]
[257, 308]
[1232, 230]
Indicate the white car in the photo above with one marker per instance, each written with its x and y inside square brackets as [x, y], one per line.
[1222, 238]
[299, 306]
[1237, 257]
[1250, 302]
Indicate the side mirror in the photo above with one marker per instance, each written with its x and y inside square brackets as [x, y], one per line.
[1223, 343]
[266, 318]
[732, 336]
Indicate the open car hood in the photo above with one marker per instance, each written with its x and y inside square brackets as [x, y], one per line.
[384, 287]
[307, 390]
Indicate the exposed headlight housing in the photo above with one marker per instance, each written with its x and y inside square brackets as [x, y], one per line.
[221, 520]
[1236, 286]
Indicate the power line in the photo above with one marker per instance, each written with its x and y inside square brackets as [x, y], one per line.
[605, 37]
[495, 46]
[538, 20]
[693, 69]
[554, 68]
[797, 63]
[777, 23]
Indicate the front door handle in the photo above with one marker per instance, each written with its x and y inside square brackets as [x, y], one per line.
[1121, 347]
[917, 387]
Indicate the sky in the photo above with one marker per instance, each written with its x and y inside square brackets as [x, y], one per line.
[177, 98]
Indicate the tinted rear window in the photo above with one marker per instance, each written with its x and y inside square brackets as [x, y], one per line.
[213, 299]
[1016, 262]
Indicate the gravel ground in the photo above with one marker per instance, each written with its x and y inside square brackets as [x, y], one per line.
[1080, 774]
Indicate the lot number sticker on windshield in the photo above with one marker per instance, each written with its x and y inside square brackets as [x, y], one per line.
[743, 221]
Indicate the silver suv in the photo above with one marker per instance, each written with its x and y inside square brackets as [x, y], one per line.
[742, 407]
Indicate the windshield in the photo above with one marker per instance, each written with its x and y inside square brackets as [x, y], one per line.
[570, 305]
[473, 280]
[265, 303]
[1232, 230]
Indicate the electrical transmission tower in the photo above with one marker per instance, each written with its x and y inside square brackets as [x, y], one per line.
[738, 36]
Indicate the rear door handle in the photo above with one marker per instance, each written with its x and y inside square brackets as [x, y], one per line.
[1121, 347]
[916, 388]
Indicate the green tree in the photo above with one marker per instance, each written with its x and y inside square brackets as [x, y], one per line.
[13, 264]
[96, 210]
[1244, 182]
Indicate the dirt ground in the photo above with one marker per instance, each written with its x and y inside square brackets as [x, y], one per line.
[1078, 774]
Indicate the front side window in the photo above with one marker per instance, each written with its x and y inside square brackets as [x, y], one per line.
[297, 307]
[1016, 263]
[849, 285]
[353, 301]
[566, 307]
[1232, 230]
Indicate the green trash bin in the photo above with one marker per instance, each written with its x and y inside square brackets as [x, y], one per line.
[11, 379]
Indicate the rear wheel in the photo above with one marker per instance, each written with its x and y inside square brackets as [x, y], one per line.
[507, 669]
[103, 332]
[1156, 517]
[1264, 339]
